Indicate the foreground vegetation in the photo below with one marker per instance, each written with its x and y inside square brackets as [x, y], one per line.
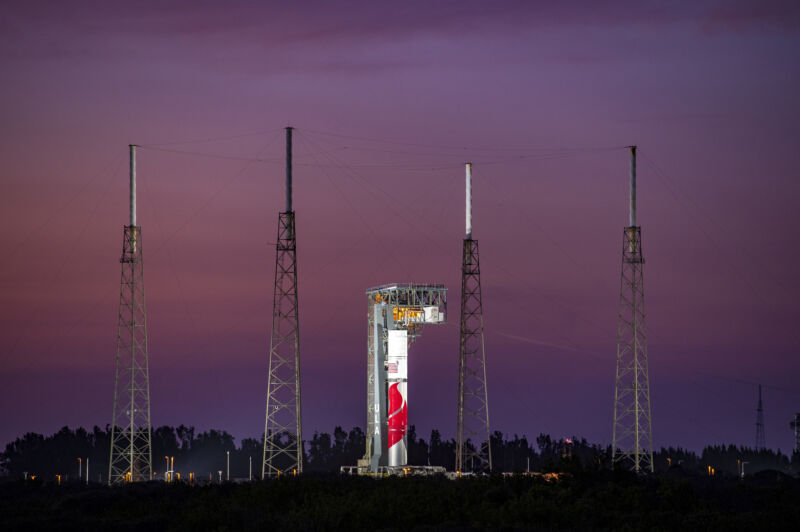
[207, 453]
[40, 489]
[597, 499]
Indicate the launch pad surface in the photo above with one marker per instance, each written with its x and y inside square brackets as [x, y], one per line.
[395, 471]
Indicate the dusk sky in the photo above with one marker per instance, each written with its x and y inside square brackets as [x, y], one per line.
[389, 99]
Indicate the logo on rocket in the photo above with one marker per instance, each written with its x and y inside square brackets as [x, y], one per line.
[398, 415]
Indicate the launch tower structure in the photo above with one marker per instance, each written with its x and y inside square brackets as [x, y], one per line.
[131, 457]
[632, 433]
[472, 451]
[396, 314]
[283, 437]
[795, 426]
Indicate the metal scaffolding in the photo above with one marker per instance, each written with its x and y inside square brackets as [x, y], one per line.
[283, 438]
[473, 438]
[632, 439]
[131, 455]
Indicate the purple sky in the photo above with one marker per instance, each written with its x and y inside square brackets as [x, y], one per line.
[389, 99]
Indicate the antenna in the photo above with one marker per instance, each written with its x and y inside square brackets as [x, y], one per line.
[469, 201]
[289, 169]
[632, 432]
[132, 149]
[632, 210]
[131, 450]
[283, 437]
[472, 424]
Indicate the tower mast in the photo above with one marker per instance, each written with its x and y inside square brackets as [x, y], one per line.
[761, 442]
[632, 434]
[131, 450]
[472, 450]
[283, 438]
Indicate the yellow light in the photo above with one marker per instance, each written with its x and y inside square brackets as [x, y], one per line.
[405, 313]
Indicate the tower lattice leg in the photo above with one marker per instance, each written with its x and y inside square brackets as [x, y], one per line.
[283, 440]
[131, 454]
[632, 440]
[473, 442]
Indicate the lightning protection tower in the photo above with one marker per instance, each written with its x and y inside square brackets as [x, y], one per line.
[473, 442]
[632, 433]
[131, 455]
[283, 439]
[761, 443]
[795, 426]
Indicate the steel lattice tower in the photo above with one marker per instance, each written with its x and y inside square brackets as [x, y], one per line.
[795, 426]
[283, 439]
[761, 442]
[472, 452]
[632, 434]
[131, 454]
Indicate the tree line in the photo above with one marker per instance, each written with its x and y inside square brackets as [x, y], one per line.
[207, 453]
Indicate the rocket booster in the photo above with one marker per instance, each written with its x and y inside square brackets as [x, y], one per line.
[397, 410]
[398, 422]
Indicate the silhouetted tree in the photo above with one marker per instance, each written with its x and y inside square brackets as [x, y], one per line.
[417, 448]
[205, 453]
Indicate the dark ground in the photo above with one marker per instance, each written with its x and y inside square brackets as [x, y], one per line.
[598, 500]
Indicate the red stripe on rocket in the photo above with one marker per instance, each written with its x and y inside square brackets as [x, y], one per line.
[398, 417]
